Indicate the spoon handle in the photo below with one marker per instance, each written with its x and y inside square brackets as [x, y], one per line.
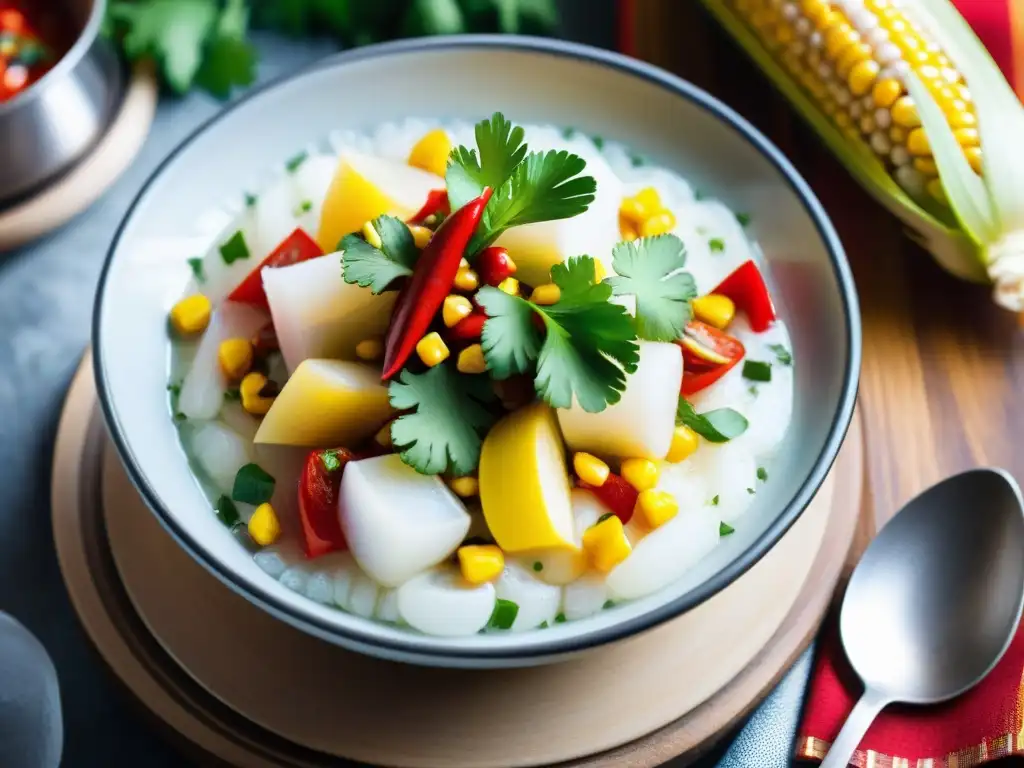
[856, 725]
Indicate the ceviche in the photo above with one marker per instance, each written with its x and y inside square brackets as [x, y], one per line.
[480, 378]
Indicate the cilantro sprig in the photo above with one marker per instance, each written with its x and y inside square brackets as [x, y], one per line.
[718, 426]
[588, 346]
[650, 269]
[377, 268]
[449, 414]
[529, 187]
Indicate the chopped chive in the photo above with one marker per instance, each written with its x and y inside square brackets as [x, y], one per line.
[762, 474]
[227, 512]
[599, 143]
[304, 207]
[504, 614]
[724, 529]
[180, 417]
[543, 624]
[250, 200]
[253, 485]
[716, 244]
[232, 395]
[751, 491]
[293, 164]
[636, 160]
[568, 132]
[781, 354]
[560, 618]
[235, 248]
[714, 501]
[757, 370]
[538, 567]
[174, 389]
[752, 389]
[607, 604]
[196, 264]
[743, 219]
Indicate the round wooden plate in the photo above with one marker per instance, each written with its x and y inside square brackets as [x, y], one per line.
[56, 204]
[234, 683]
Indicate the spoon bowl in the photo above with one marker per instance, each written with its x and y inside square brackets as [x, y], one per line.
[935, 600]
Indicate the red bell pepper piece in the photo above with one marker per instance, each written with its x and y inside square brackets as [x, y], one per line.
[437, 203]
[493, 265]
[298, 246]
[431, 281]
[699, 372]
[747, 289]
[318, 501]
[616, 494]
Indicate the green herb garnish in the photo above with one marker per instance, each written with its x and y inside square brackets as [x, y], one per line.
[234, 249]
[598, 141]
[718, 426]
[636, 160]
[568, 132]
[196, 265]
[446, 429]
[781, 354]
[752, 390]
[743, 219]
[724, 529]
[377, 268]
[538, 567]
[227, 512]
[589, 345]
[560, 618]
[714, 501]
[699, 194]
[294, 163]
[604, 517]
[504, 614]
[174, 389]
[751, 491]
[756, 370]
[180, 417]
[607, 604]
[250, 200]
[649, 268]
[232, 395]
[543, 624]
[304, 207]
[330, 460]
[762, 474]
[253, 485]
[716, 244]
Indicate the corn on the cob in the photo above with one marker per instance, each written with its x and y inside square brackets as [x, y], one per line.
[852, 56]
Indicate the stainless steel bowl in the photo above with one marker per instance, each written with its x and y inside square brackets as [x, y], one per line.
[52, 124]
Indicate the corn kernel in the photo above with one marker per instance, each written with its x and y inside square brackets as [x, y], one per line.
[967, 137]
[885, 92]
[471, 360]
[590, 469]
[918, 144]
[838, 38]
[627, 229]
[383, 436]
[904, 112]
[926, 165]
[191, 315]
[235, 357]
[432, 350]
[547, 294]
[714, 309]
[481, 563]
[249, 390]
[640, 473]
[684, 443]
[814, 10]
[851, 57]
[649, 198]
[632, 211]
[863, 76]
[264, 527]
[420, 235]
[454, 309]
[510, 286]
[658, 224]
[936, 190]
[605, 544]
[963, 119]
[656, 507]
[371, 235]
[465, 486]
[898, 135]
[466, 279]
[973, 155]
[370, 349]
[431, 152]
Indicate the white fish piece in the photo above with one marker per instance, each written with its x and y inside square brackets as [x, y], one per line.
[585, 596]
[441, 603]
[202, 390]
[398, 522]
[730, 471]
[685, 482]
[274, 210]
[642, 422]
[221, 452]
[538, 602]
[318, 315]
[560, 566]
[665, 554]
[231, 256]
[310, 182]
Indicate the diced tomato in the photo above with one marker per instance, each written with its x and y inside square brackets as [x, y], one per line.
[616, 494]
[746, 287]
[318, 501]
[298, 246]
[702, 341]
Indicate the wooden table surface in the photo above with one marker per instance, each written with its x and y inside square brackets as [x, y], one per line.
[941, 363]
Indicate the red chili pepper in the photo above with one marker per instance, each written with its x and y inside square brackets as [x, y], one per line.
[318, 501]
[616, 494]
[298, 246]
[431, 281]
[747, 289]
[493, 265]
[701, 342]
[437, 203]
[468, 328]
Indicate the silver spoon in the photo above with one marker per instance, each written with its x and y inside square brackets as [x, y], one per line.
[935, 600]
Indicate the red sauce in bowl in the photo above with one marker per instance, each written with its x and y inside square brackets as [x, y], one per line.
[31, 42]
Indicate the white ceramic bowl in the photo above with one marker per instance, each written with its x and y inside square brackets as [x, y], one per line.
[539, 81]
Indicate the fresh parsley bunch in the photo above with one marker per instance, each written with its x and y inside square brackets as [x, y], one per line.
[205, 43]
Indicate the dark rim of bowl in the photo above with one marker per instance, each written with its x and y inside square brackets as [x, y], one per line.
[411, 648]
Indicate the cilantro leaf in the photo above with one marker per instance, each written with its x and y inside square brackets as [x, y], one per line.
[717, 426]
[510, 340]
[446, 430]
[781, 354]
[377, 268]
[650, 269]
[501, 150]
[229, 59]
